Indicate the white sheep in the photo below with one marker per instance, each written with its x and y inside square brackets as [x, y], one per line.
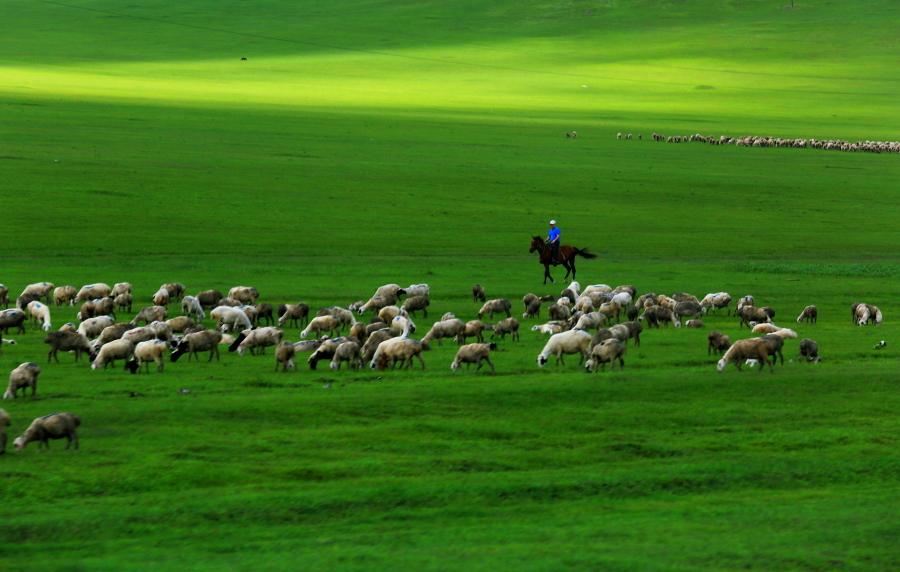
[417, 290]
[765, 328]
[474, 353]
[161, 297]
[257, 340]
[230, 318]
[146, 352]
[320, 325]
[549, 328]
[190, 306]
[590, 321]
[41, 313]
[121, 288]
[398, 350]
[91, 291]
[22, 377]
[109, 353]
[570, 342]
[453, 328]
[402, 325]
[92, 327]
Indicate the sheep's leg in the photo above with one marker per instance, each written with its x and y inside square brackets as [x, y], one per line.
[490, 363]
[159, 365]
[420, 360]
[781, 356]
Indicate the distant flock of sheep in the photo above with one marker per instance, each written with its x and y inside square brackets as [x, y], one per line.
[580, 322]
[764, 141]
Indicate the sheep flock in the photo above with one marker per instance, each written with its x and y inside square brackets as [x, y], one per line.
[768, 141]
[596, 323]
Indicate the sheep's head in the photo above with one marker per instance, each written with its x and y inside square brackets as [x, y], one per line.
[19, 442]
[132, 365]
[455, 365]
[720, 365]
[541, 360]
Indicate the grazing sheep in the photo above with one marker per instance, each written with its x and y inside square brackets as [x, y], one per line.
[123, 302]
[191, 306]
[244, 294]
[150, 314]
[416, 290]
[478, 294]
[321, 325]
[294, 314]
[608, 351]
[229, 318]
[416, 303]
[402, 325]
[12, 318]
[257, 340]
[38, 291]
[121, 288]
[717, 342]
[40, 313]
[349, 352]
[180, 323]
[67, 342]
[22, 377]
[741, 350]
[496, 306]
[92, 291]
[203, 341]
[388, 313]
[398, 350]
[117, 349]
[474, 353]
[715, 301]
[634, 331]
[209, 298]
[175, 290]
[53, 426]
[454, 328]
[146, 352]
[590, 321]
[774, 345]
[656, 315]
[64, 295]
[114, 332]
[809, 349]
[91, 328]
[744, 301]
[666, 302]
[374, 327]
[559, 313]
[250, 312]
[785, 333]
[620, 332]
[284, 356]
[24, 299]
[867, 313]
[749, 314]
[533, 309]
[4, 423]
[688, 309]
[265, 312]
[584, 304]
[765, 328]
[809, 314]
[160, 330]
[161, 297]
[570, 342]
[373, 341]
[475, 329]
[549, 327]
[385, 295]
[506, 326]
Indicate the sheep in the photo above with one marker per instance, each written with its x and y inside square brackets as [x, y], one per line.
[570, 342]
[91, 291]
[384, 296]
[180, 323]
[574, 287]
[571, 135]
[150, 314]
[715, 301]
[610, 309]
[688, 309]
[67, 342]
[373, 341]
[12, 318]
[785, 333]
[209, 298]
[24, 299]
[474, 353]
[284, 356]
[655, 315]
[590, 321]
[374, 327]
[685, 297]
[809, 314]
[265, 312]
[325, 351]
[244, 294]
[533, 309]
[496, 306]
[596, 288]
[415, 303]
[40, 313]
[634, 331]
[123, 302]
[92, 327]
[549, 328]
[230, 319]
[620, 332]
[250, 312]
[584, 304]
[121, 288]
[257, 340]
[4, 296]
[558, 313]
[153, 330]
[417, 290]
[402, 325]
[175, 290]
[114, 332]
[322, 324]
[866, 313]
[109, 353]
[752, 348]
[64, 295]
[22, 377]
[398, 350]
[146, 352]
[4, 423]
[765, 328]
[293, 313]
[191, 306]
[749, 314]
[666, 302]
[774, 344]
[388, 313]
[809, 349]
[454, 328]
[97, 307]
[38, 291]
[506, 326]
[744, 301]
[566, 297]
[161, 297]
[359, 332]
[622, 299]
[605, 352]
[53, 426]
[475, 329]
[717, 342]
[478, 294]
[203, 341]
[349, 352]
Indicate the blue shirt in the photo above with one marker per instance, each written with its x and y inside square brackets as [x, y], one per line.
[553, 234]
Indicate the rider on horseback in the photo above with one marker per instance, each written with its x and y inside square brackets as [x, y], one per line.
[553, 240]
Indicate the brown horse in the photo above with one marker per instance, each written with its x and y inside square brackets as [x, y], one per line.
[567, 256]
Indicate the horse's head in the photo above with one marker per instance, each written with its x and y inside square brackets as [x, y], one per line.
[537, 243]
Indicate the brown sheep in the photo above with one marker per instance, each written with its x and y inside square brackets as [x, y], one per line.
[717, 342]
[209, 298]
[475, 329]
[415, 303]
[753, 348]
[809, 349]
[608, 351]
[284, 356]
[53, 426]
[67, 342]
[478, 294]
[810, 314]
[496, 306]
[507, 326]
[23, 377]
[474, 353]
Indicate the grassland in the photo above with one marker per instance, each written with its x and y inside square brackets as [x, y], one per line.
[369, 142]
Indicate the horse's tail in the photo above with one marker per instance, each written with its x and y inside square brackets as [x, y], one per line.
[584, 252]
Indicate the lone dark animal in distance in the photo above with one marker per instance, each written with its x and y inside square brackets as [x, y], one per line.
[567, 254]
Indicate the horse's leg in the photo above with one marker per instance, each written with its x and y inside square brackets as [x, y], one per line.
[547, 274]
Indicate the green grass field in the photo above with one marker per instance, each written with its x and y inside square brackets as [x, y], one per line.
[366, 142]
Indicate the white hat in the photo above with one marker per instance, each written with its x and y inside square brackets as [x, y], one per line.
[552, 222]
